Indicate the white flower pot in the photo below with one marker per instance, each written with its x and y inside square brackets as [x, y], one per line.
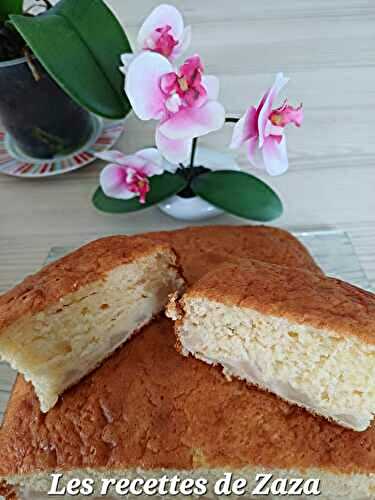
[194, 209]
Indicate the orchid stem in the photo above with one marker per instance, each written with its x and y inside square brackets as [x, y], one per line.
[231, 119]
[29, 60]
[193, 151]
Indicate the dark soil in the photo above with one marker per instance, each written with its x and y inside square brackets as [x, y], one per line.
[12, 45]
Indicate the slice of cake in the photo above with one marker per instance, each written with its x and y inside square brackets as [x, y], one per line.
[58, 325]
[305, 337]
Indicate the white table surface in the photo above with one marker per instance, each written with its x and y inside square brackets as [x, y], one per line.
[326, 47]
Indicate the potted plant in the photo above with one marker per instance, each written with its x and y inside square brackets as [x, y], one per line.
[186, 181]
[54, 71]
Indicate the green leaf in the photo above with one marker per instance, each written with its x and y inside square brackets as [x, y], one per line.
[79, 43]
[161, 187]
[239, 194]
[8, 7]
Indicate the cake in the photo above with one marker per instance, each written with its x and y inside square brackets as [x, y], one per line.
[148, 411]
[59, 324]
[203, 248]
[307, 338]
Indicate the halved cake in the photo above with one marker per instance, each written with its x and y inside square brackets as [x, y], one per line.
[305, 337]
[58, 325]
[149, 412]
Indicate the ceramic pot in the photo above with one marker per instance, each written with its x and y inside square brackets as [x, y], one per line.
[41, 118]
[194, 208]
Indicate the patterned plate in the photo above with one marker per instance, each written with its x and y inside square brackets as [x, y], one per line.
[14, 162]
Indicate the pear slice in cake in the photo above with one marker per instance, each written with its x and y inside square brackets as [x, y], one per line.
[58, 325]
[307, 338]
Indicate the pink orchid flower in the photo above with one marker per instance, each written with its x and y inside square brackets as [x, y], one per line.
[127, 176]
[184, 101]
[261, 128]
[163, 32]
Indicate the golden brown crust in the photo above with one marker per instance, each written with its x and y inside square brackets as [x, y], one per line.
[85, 265]
[7, 491]
[300, 296]
[202, 248]
[149, 407]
